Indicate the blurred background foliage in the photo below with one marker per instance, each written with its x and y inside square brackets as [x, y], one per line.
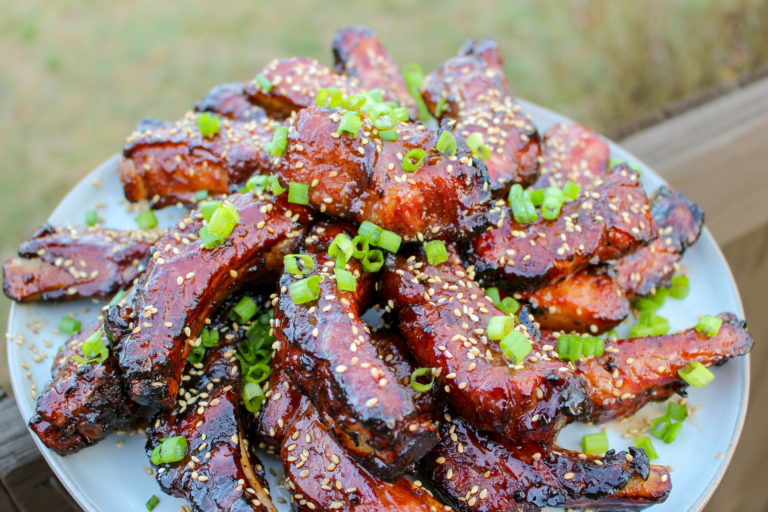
[75, 77]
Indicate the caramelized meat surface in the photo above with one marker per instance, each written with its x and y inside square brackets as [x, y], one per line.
[230, 101]
[638, 494]
[361, 178]
[168, 163]
[70, 264]
[571, 152]
[185, 282]
[357, 52]
[488, 50]
[635, 371]
[480, 473]
[84, 402]
[331, 359]
[443, 315]
[604, 224]
[478, 99]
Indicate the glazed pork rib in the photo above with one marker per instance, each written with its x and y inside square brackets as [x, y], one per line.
[362, 178]
[184, 283]
[488, 50]
[230, 101]
[332, 360]
[70, 263]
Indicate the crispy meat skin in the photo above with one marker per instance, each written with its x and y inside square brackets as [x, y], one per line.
[168, 163]
[83, 403]
[357, 52]
[361, 178]
[330, 357]
[210, 418]
[69, 264]
[604, 225]
[443, 315]
[179, 290]
[295, 83]
[646, 369]
[230, 101]
[479, 100]
[491, 475]
[572, 152]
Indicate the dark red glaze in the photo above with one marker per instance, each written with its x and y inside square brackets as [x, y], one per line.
[608, 222]
[361, 178]
[572, 152]
[184, 283]
[331, 359]
[488, 50]
[478, 99]
[480, 473]
[168, 163]
[294, 85]
[635, 371]
[638, 494]
[83, 403]
[70, 264]
[358, 52]
[230, 101]
[442, 316]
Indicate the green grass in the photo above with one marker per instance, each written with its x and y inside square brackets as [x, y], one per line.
[75, 77]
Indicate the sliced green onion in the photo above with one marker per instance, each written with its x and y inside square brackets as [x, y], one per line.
[117, 298]
[515, 191]
[571, 191]
[279, 141]
[696, 374]
[170, 449]
[390, 135]
[360, 245]
[263, 82]
[413, 159]
[299, 264]
[679, 287]
[553, 201]
[341, 246]
[440, 106]
[69, 325]
[523, 210]
[209, 338]
[709, 325]
[499, 326]
[646, 304]
[536, 196]
[389, 241]
[479, 149]
[196, 355]
[223, 221]
[253, 396]
[436, 252]
[401, 113]
[207, 209]
[328, 98]
[645, 444]
[298, 193]
[306, 290]
[94, 350]
[345, 280]
[350, 124]
[385, 120]
[353, 102]
[243, 310]
[208, 124]
[201, 195]
[494, 295]
[515, 346]
[373, 260]
[258, 373]
[152, 503]
[446, 144]
[414, 76]
[208, 240]
[371, 231]
[676, 411]
[659, 425]
[419, 373]
[612, 334]
[595, 444]
[660, 297]
[671, 432]
[146, 220]
[509, 305]
[649, 324]
[274, 185]
[91, 218]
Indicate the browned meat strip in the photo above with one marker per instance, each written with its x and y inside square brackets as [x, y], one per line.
[84, 402]
[357, 52]
[479, 473]
[230, 101]
[361, 178]
[168, 163]
[443, 315]
[488, 50]
[185, 282]
[331, 359]
[70, 264]
[608, 222]
[572, 152]
[478, 99]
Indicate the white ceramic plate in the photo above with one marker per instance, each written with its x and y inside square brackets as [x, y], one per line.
[112, 476]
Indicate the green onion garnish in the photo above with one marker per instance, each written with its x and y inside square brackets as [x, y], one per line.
[273, 185]
[436, 252]
[385, 119]
[258, 373]
[709, 325]
[419, 373]
[696, 374]
[94, 350]
[279, 141]
[671, 432]
[208, 240]
[306, 290]
[353, 102]
[536, 196]
[341, 246]
[499, 326]
[152, 503]
[679, 287]
[373, 260]
[446, 144]
[223, 221]
[645, 444]
[440, 106]
[170, 449]
[263, 82]
[208, 207]
[328, 98]
[573, 346]
[595, 444]
[571, 191]
[677, 411]
[69, 325]
[253, 396]
[515, 346]
[361, 245]
[401, 113]
[117, 298]
[299, 264]
[201, 195]
[493, 294]
[390, 135]
[553, 201]
[146, 220]
[649, 324]
[243, 310]
[345, 280]
[413, 159]
[208, 124]
[91, 218]
[371, 231]
[523, 210]
[509, 305]
[209, 338]
[515, 191]
[480, 150]
[196, 355]
[414, 77]
[389, 241]
[350, 124]
[298, 193]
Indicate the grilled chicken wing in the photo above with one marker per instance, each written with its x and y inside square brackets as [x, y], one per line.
[331, 359]
[70, 264]
[361, 178]
[443, 315]
[185, 282]
[168, 163]
[84, 402]
[357, 52]
[478, 99]
[479, 473]
[603, 224]
[571, 152]
[230, 101]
